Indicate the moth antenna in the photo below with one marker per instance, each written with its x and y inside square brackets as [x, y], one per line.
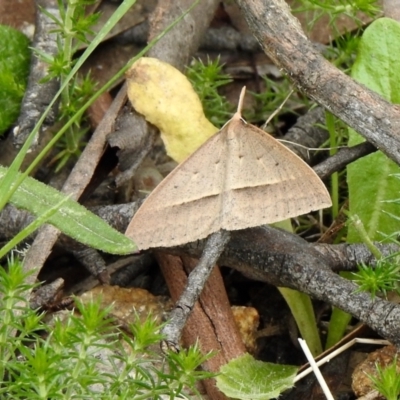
[241, 100]
[277, 110]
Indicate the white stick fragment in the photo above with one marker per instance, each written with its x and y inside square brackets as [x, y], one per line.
[339, 350]
[316, 370]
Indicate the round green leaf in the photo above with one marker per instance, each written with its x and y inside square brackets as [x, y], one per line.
[249, 379]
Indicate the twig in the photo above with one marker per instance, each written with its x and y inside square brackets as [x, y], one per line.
[136, 261]
[47, 295]
[341, 257]
[75, 185]
[39, 94]
[284, 259]
[92, 261]
[338, 351]
[183, 40]
[224, 38]
[213, 248]
[307, 131]
[316, 370]
[342, 158]
[347, 257]
[134, 138]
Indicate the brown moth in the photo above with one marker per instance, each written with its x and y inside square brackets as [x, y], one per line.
[239, 178]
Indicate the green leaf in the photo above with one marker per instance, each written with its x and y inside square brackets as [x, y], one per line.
[247, 378]
[72, 218]
[369, 180]
[32, 227]
[14, 69]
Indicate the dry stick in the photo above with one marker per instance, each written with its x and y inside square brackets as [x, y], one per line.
[283, 40]
[92, 261]
[342, 158]
[316, 370]
[181, 42]
[308, 132]
[75, 184]
[39, 94]
[284, 259]
[222, 322]
[90, 282]
[347, 257]
[213, 248]
[223, 38]
[332, 353]
[134, 138]
[341, 257]
[48, 294]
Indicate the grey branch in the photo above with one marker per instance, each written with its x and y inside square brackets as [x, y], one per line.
[39, 94]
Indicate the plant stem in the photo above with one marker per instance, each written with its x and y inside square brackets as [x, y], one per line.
[67, 57]
[330, 124]
[359, 226]
[302, 310]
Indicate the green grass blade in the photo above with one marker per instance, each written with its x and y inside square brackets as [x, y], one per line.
[22, 235]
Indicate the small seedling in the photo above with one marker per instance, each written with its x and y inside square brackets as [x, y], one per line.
[387, 380]
[380, 280]
[74, 27]
[206, 78]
